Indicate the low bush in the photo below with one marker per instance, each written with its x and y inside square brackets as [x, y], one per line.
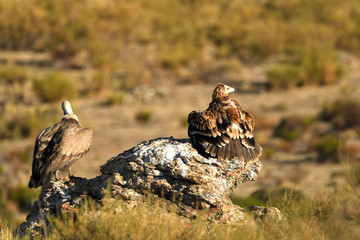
[343, 113]
[290, 128]
[312, 66]
[13, 74]
[283, 76]
[143, 116]
[328, 148]
[117, 98]
[54, 86]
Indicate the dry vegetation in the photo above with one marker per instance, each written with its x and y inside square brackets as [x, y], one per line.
[303, 35]
[326, 215]
[112, 48]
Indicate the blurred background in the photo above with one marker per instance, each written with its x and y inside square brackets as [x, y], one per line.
[134, 69]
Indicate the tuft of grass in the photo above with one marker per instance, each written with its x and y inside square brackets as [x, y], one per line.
[328, 148]
[183, 120]
[6, 215]
[290, 128]
[268, 152]
[143, 116]
[283, 76]
[353, 175]
[249, 201]
[54, 86]
[117, 98]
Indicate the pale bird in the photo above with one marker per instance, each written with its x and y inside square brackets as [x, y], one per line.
[58, 147]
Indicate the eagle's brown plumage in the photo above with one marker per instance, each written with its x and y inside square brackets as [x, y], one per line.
[58, 146]
[224, 130]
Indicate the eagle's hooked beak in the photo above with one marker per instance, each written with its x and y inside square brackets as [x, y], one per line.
[229, 89]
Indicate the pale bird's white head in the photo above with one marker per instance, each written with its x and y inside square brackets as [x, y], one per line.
[66, 107]
[68, 112]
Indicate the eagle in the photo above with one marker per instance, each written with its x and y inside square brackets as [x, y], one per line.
[224, 130]
[58, 147]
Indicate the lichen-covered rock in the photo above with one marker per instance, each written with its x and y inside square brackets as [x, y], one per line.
[167, 168]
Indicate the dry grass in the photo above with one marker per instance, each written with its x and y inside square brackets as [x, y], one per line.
[326, 215]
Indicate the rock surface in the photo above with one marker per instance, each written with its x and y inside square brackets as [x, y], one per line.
[167, 168]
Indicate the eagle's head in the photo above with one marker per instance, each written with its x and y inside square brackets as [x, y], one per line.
[222, 91]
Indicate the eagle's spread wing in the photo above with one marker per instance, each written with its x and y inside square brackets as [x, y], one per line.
[224, 131]
[57, 147]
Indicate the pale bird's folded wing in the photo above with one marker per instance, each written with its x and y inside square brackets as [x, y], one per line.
[40, 156]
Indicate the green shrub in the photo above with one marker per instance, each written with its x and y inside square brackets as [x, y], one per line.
[342, 113]
[268, 152]
[319, 65]
[183, 120]
[143, 116]
[117, 98]
[13, 74]
[283, 76]
[249, 201]
[54, 86]
[328, 148]
[314, 65]
[290, 128]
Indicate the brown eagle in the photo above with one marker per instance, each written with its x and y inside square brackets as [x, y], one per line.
[224, 130]
[59, 146]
